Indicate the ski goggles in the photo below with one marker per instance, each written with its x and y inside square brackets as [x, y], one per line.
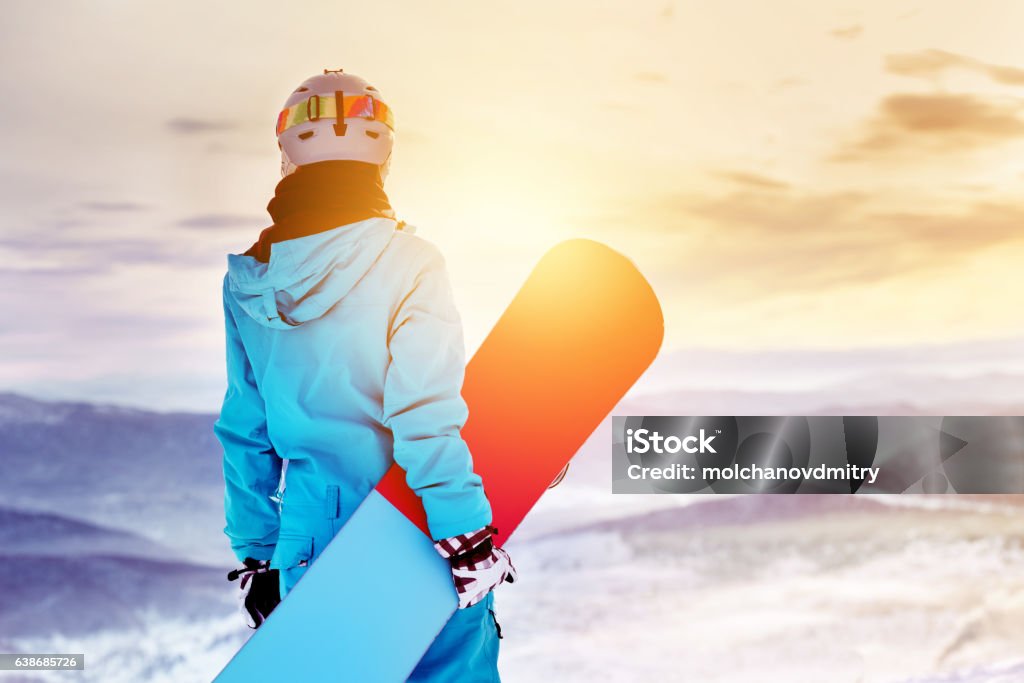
[326, 107]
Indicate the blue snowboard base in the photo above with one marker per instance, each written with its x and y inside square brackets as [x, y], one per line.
[352, 616]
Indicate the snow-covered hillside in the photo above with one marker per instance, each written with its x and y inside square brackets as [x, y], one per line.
[110, 545]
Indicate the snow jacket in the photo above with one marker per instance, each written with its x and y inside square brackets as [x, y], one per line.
[344, 355]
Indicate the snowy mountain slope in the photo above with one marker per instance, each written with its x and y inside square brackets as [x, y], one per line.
[157, 475]
[612, 588]
[41, 534]
[65, 576]
[982, 372]
[47, 595]
[735, 590]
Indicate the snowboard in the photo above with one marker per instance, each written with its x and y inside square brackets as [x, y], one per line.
[577, 335]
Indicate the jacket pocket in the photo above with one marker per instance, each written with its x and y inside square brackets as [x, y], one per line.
[291, 558]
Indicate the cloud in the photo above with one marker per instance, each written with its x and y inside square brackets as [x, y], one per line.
[851, 32]
[786, 83]
[748, 212]
[754, 241]
[77, 257]
[936, 122]
[113, 207]
[754, 180]
[931, 64]
[192, 126]
[650, 77]
[984, 224]
[222, 221]
[19, 276]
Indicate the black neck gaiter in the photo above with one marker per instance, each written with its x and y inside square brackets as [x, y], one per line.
[320, 197]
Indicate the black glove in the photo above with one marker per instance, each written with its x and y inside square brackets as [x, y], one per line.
[260, 590]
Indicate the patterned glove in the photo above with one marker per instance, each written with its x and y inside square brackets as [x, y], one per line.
[259, 590]
[477, 566]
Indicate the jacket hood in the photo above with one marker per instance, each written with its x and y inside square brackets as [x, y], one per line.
[307, 276]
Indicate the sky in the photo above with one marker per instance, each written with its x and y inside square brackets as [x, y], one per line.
[791, 176]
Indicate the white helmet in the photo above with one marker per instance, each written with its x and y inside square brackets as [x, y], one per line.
[310, 128]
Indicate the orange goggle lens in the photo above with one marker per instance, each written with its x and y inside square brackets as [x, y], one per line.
[326, 107]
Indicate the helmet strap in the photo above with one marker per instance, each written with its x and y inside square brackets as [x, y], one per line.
[340, 126]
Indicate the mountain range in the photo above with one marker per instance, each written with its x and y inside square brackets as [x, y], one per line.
[111, 543]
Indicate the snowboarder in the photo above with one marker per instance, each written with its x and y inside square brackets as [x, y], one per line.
[345, 354]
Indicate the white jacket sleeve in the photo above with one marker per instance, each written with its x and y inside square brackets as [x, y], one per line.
[423, 404]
